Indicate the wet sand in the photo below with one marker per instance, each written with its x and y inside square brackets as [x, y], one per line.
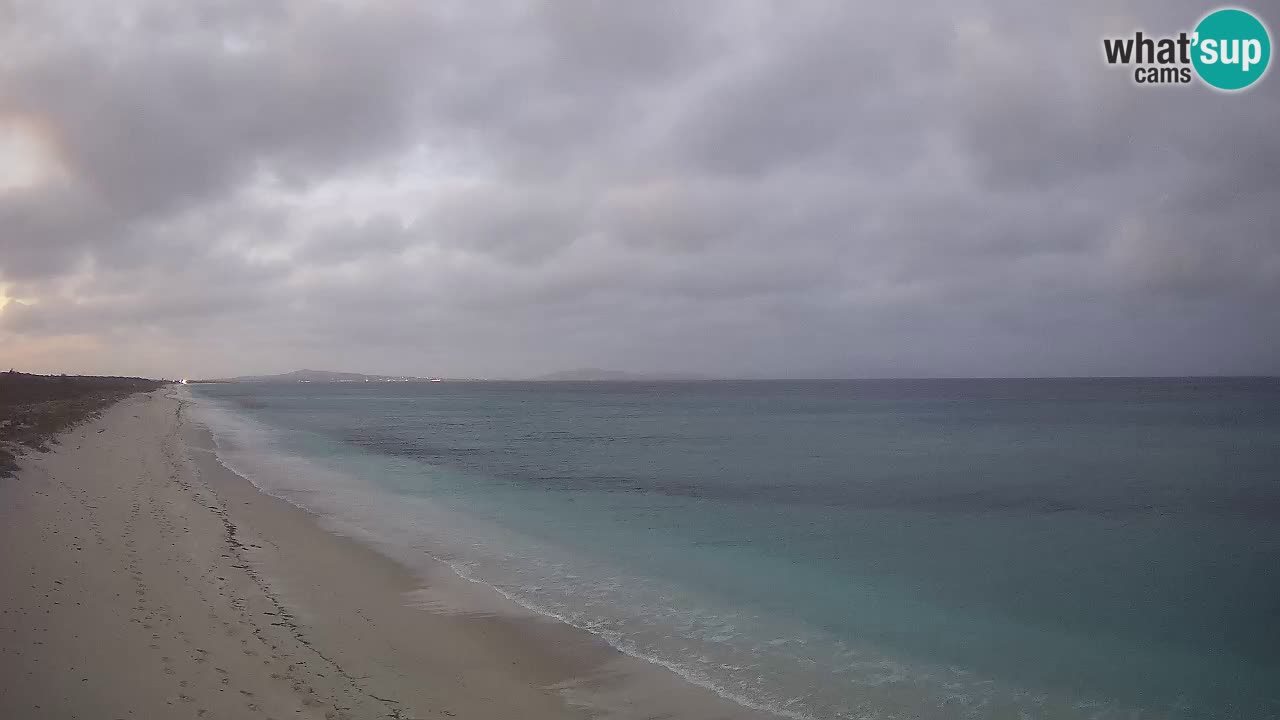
[141, 579]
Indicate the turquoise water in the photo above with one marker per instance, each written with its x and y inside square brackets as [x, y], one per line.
[957, 548]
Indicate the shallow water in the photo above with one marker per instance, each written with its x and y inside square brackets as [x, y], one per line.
[963, 548]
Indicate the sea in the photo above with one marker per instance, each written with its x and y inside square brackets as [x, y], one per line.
[1027, 548]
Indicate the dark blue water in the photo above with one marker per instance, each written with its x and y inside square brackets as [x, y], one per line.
[950, 548]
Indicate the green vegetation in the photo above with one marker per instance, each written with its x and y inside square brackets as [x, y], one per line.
[34, 409]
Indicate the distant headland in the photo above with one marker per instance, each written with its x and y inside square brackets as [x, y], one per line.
[577, 375]
[318, 376]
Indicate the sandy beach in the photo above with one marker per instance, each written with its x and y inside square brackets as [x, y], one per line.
[140, 578]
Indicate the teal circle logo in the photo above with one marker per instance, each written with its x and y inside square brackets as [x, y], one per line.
[1232, 49]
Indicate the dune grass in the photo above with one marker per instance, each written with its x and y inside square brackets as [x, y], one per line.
[35, 409]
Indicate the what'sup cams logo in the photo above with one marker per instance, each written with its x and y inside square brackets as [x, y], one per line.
[1228, 50]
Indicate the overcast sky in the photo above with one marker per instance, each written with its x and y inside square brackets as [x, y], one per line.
[797, 188]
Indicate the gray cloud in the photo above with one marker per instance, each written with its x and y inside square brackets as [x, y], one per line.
[737, 188]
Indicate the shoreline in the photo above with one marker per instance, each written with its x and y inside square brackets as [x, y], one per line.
[318, 623]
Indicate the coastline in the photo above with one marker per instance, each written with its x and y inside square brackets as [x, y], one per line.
[195, 594]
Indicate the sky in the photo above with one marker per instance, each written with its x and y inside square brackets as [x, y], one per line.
[741, 189]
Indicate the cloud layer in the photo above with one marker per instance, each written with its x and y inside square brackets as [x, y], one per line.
[746, 189]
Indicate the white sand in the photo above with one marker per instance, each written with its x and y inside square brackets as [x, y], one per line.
[140, 579]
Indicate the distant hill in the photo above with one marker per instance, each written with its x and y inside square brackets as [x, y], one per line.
[599, 375]
[320, 376]
[578, 375]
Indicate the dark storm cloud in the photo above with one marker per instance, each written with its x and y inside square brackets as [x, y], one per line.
[738, 188]
[163, 112]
